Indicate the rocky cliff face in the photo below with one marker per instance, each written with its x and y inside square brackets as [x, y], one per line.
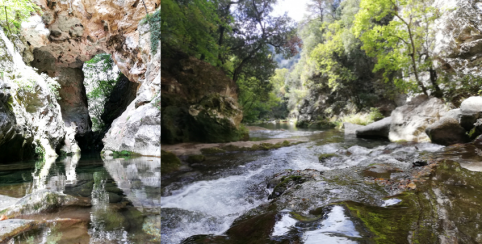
[458, 40]
[71, 32]
[30, 117]
[199, 102]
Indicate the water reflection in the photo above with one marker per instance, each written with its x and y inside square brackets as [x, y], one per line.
[70, 165]
[139, 179]
[118, 200]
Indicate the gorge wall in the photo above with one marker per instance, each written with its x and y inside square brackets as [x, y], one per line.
[70, 32]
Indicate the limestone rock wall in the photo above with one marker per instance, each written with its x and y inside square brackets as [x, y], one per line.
[199, 102]
[30, 117]
[70, 32]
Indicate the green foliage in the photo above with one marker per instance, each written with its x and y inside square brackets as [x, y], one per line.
[28, 82]
[102, 76]
[361, 118]
[403, 44]
[189, 26]
[13, 12]
[457, 89]
[154, 21]
[256, 98]
[39, 151]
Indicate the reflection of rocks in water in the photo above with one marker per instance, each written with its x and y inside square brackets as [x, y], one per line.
[106, 225]
[70, 165]
[139, 178]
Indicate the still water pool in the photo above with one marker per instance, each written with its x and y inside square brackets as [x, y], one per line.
[81, 199]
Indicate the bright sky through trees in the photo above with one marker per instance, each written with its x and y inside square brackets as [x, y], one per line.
[295, 8]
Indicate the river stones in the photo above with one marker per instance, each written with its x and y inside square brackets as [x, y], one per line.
[283, 181]
[379, 128]
[43, 200]
[350, 129]
[410, 121]
[471, 110]
[447, 131]
[12, 227]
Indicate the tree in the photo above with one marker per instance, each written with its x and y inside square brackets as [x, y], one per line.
[320, 8]
[190, 27]
[13, 12]
[404, 44]
[254, 30]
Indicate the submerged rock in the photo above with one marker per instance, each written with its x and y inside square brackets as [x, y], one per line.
[44, 200]
[11, 227]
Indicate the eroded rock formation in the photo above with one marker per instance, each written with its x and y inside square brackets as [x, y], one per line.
[70, 32]
[199, 102]
[30, 118]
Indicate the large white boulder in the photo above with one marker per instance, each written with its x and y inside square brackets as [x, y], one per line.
[410, 121]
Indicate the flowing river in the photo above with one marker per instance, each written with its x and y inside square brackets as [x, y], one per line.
[359, 191]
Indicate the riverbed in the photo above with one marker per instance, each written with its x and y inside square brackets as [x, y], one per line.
[351, 191]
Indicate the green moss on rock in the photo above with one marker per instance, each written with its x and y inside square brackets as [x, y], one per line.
[169, 162]
[212, 150]
[124, 154]
[196, 158]
[323, 157]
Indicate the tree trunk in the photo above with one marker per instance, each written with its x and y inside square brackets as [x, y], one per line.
[433, 79]
[414, 63]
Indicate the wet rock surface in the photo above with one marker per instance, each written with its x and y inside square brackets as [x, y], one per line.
[447, 131]
[289, 196]
[12, 227]
[30, 115]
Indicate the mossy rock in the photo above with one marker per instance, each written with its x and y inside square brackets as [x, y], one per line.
[325, 156]
[285, 183]
[124, 154]
[233, 148]
[196, 158]
[169, 162]
[212, 150]
[303, 218]
[255, 230]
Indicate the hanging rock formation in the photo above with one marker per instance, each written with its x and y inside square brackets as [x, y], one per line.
[70, 32]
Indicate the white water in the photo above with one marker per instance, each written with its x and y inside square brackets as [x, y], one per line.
[17, 59]
[211, 204]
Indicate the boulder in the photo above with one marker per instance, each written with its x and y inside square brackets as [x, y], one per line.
[10, 228]
[447, 131]
[454, 113]
[471, 110]
[410, 121]
[198, 101]
[379, 128]
[350, 129]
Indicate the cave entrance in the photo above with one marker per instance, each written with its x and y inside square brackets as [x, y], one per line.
[108, 93]
[92, 95]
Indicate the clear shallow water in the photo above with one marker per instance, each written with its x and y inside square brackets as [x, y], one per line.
[207, 198]
[123, 196]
